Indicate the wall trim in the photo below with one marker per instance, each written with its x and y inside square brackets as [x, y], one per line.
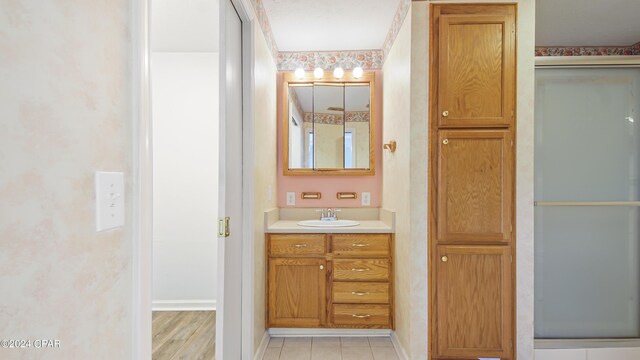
[402, 354]
[183, 305]
[546, 61]
[316, 332]
[262, 348]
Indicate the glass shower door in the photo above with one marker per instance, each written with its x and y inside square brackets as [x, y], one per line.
[587, 217]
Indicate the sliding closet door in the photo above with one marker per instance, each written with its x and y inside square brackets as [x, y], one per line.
[587, 168]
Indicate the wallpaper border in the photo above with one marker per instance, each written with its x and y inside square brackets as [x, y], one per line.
[588, 50]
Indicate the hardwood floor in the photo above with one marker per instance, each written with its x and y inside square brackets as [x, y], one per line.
[179, 335]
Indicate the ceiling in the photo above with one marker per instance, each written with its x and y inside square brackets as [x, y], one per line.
[587, 22]
[311, 25]
[184, 25]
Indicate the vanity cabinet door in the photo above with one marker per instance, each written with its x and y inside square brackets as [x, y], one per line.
[297, 292]
[474, 186]
[474, 315]
[476, 59]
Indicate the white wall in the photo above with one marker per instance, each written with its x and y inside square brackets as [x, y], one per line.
[396, 191]
[65, 112]
[185, 179]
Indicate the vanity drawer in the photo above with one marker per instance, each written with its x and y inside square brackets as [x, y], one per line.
[297, 244]
[361, 315]
[360, 244]
[360, 292]
[361, 269]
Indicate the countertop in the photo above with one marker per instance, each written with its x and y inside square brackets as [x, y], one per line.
[372, 221]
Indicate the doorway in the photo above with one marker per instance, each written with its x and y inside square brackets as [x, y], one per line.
[200, 162]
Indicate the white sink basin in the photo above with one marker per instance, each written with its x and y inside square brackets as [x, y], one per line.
[328, 223]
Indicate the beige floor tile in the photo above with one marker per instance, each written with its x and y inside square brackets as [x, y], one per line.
[354, 341]
[326, 342]
[380, 342]
[304, 342]
[384, 353]
[295, 353]
[276, 342]
[272, 353]
[357, 353]
[326, 352]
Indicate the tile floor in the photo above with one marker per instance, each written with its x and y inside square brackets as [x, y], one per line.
[330, 348]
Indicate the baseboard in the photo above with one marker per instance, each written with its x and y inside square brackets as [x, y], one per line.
[183, 305]
[295, 332]
[402, 354]
[262, 348]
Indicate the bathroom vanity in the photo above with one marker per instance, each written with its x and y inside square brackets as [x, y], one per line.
[330, 277]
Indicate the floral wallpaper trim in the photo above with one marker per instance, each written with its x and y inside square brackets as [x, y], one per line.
[396, 24]
[588, 50]
[261, 14]
[336, 119]
[328, 60]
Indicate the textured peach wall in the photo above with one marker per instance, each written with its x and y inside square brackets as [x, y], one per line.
[65, 112]
[264, 168]
[330, 185]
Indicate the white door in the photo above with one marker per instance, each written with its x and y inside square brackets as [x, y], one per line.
[229, 306]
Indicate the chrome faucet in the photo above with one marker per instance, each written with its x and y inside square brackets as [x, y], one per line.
[328, 215]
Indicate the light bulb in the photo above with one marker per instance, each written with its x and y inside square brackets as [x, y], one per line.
[318, 73]
[300, 73]
[338, 72]
[357, 72]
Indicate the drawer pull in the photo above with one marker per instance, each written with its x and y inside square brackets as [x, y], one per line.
[360, 245]
[361, 316]
[359, 293]
[299, 246]
[360, 269]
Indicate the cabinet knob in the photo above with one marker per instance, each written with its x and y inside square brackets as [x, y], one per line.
[445, 141]
[321, 267]
[445, 113]
[444, 258]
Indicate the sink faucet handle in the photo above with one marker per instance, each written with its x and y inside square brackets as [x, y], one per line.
[335, 213]
[321, 211]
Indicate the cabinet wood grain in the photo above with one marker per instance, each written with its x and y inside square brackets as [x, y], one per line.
[474, 186]
[297, 245]
[476, 74]
[361, 269]
[360, 245]
[360, 292]
[297, 295]
[474, 301]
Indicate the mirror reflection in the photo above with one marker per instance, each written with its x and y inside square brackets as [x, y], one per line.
[329, 126]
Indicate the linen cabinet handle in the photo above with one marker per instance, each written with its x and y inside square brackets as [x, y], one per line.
[445, 113]
[444, 258]
[360, 245]
[359, 293]
[299, 246]
[360, 269]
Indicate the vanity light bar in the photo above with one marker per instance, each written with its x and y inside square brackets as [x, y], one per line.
[338, 73]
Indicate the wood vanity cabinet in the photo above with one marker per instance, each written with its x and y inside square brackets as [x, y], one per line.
[330, 281]
[471, 201]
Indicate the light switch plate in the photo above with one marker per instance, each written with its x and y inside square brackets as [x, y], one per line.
[109, 200]
[366, 199]
[291, 198]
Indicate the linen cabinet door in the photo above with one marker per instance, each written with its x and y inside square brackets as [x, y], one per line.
[476, 59]
[297, 292]
[474, 186]
[474, 297]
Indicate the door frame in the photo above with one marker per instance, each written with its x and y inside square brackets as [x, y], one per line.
[142, 178]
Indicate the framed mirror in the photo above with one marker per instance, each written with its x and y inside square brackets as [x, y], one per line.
[328, 125]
